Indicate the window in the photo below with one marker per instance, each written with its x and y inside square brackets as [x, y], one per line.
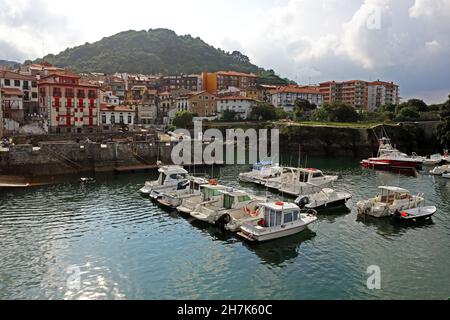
[103, 118]
[92, 94]
[295, 215]
[113, 119]
[33, 84]
[26, 85]
[129, 119]
[16, 83]
[121, 118]
[69, 93]
[279, 216]
[80, 94]
[7, 82]
[57, 92]
[34, 95]
[317, 175]
[288, 217]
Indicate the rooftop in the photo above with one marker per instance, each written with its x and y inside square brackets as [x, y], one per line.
[6, 74]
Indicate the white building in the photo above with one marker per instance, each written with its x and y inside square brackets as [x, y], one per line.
[239, 104]
[20, 85]
[110, 99]
[182, 103]
[285, 97]
[381, 93]
[116, 116]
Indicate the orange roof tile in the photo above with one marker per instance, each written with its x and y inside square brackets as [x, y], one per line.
[15, 76]
[12, 91]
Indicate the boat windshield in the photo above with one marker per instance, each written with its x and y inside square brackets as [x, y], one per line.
[228, 201]
[208, 193]
[303, 176]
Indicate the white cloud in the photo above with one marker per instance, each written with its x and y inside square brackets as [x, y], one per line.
[307, 40]
[430, 8]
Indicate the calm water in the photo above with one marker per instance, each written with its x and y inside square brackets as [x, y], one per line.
[125, 247]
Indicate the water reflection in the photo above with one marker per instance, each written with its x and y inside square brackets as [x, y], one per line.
[389, 227]
[281, 251]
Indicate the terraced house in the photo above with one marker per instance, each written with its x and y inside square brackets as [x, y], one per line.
[71, 106]
[18, 94]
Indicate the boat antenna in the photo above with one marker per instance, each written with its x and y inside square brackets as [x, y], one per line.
[299, 154]
[306, 160]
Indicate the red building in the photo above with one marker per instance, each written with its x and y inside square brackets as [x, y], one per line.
[71, 106]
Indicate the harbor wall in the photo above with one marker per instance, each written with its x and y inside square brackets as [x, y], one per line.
[48, 158]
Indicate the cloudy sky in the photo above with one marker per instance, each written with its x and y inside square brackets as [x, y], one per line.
[406, 41]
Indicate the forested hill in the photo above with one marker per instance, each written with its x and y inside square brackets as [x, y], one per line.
[154, 51]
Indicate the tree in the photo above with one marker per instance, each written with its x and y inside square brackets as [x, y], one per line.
[228, 115]
[280, 113]
[416, 104]
[183, 119]
[303, 107]
[320, 114]
[443, 129]
[388, 108]
[408, 114]
[263, 111]
[341, 112]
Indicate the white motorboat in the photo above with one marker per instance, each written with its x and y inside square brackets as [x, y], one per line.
[208, 193]
[171, 178]
[437, 171]
[261, 172]
[279, 220]
[174, 199]
[415, 214]
[234, 205]
[446, 175]
[306, 181]
[433, 160]
[388, 201]
[325, 199]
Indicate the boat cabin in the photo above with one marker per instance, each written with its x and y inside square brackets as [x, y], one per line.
[279, 213]
[389, 195]
[308, 175]
[171, 174]
[231, 199]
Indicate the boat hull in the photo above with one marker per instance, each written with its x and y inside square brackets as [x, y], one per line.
[330, 205]
[388, 163]
[273, 235]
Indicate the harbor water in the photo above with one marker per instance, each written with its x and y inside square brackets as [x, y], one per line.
[103, 240]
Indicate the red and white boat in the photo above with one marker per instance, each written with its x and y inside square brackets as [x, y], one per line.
[390, 158]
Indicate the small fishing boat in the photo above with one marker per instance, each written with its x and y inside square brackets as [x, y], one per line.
[208, 193]
[437, 171]
[170, 178]
[231, 207]
[389, 200]
[325, 199]
[261, 172]
[433, 160]
[174, 199]
[306, 181]
[279, 220]
[415, 214]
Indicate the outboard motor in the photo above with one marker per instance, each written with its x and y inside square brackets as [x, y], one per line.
[303, 202]
[223, 221]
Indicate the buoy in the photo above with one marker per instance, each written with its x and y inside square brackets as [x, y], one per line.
[279, 203]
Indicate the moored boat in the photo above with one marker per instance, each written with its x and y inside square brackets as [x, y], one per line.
[324, 199]
[170, 178]
[279, 220]
[174, 199]
[389, 157]
[389, 200]
[208, 193]
[415, 214]
[261, 172]
[440, 170]
[306, 181]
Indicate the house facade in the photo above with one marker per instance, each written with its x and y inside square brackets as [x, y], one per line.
[203, 104]
[19, 87]
[70, 105]
[285, 97]
[239, 104]
[112, 117]
[222, 80]
[176, 82]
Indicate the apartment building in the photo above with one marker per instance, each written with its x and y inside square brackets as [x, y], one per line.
[285, 97]
[382, 93]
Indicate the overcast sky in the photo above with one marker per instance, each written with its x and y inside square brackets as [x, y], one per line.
[406, 41]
